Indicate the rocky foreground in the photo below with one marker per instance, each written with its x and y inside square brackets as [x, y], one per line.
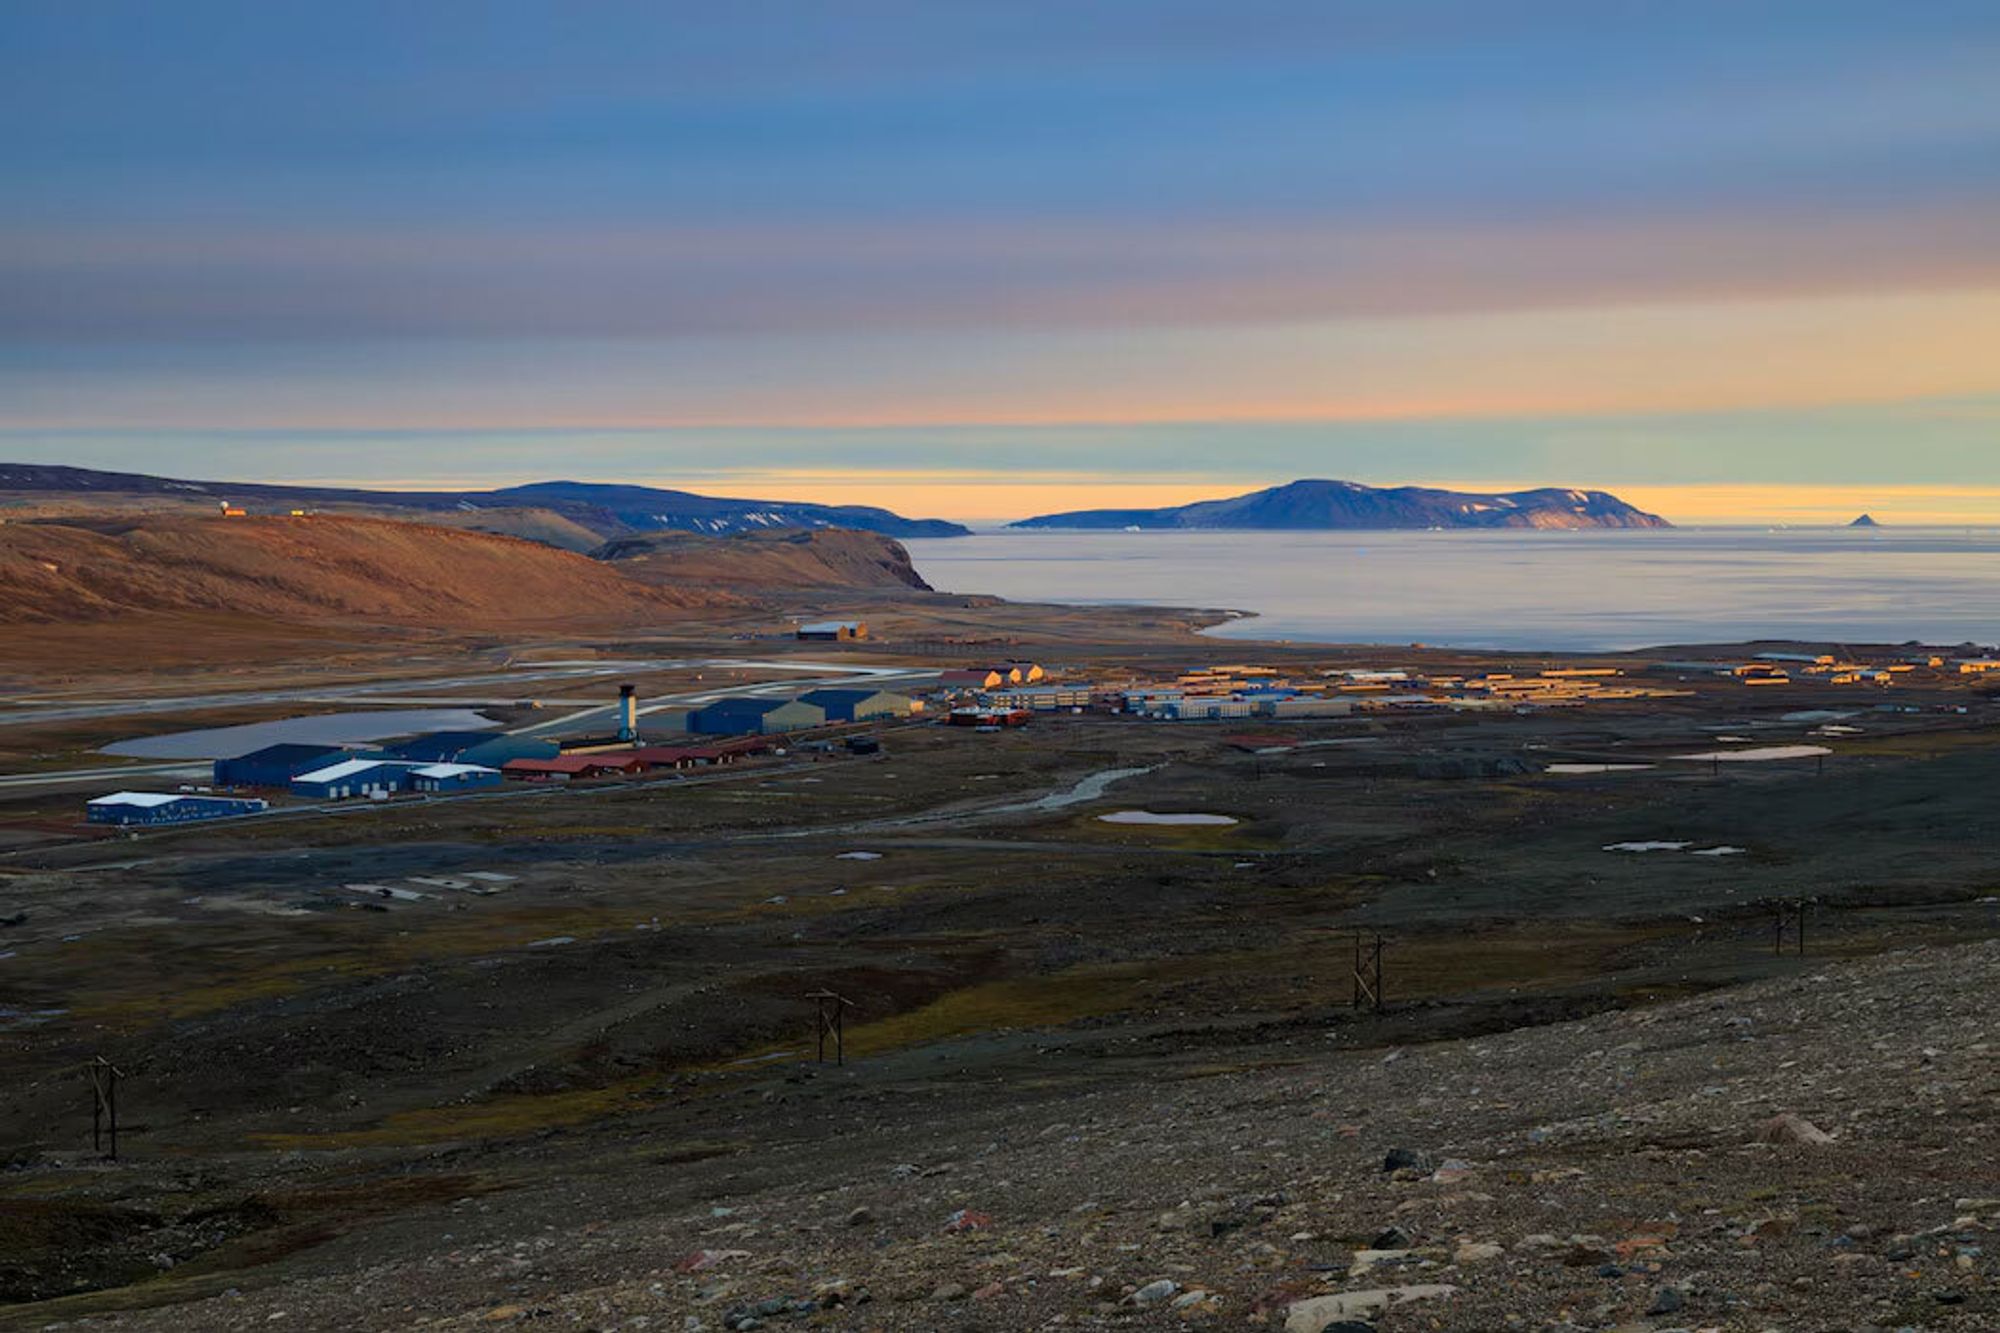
[1810, 1154]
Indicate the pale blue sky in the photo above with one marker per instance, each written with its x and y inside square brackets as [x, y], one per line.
[1147, 244]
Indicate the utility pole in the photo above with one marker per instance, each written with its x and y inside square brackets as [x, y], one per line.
[1791, 917]
[104, 1078]
[1369, 989]
[829, 1020]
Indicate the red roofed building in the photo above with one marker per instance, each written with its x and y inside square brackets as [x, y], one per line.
[564, 768]
[686, 756]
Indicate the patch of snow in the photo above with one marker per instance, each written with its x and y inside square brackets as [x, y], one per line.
[1648, 846]
[1150, 817]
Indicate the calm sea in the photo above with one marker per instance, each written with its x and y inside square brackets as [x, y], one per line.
[1525, 590]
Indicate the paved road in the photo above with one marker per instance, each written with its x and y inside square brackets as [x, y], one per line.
[878, 677]
[881, 677]
[93, 708]
[180, 770]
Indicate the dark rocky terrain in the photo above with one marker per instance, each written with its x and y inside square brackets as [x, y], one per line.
[1802, 1154]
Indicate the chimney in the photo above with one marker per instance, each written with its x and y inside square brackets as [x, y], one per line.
[628, 712]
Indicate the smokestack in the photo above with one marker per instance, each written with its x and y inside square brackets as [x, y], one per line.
[628, 713]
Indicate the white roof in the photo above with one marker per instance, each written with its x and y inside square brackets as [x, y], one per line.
[347, 768]
[452, 770]
[143, 799]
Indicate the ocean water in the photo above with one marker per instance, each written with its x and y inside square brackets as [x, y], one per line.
[1562, 591]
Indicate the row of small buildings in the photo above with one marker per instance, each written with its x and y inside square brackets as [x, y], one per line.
[1784, 668]
[447, 762]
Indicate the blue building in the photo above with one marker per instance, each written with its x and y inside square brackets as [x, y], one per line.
[354, 777]
[744, 716]
[455, 777]
[854, 705]
[487, 749]
[277, 765]
[159, 807]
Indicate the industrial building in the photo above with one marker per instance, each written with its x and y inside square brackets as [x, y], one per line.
[1309, 706]
[1181, 706]
[989, 719]
[687, 756]
[1045, 698]
[454, 777]
[277, 765]
[849, 705]
[833, 630]
[571, 767]
[158, 807]
[487, 749]
[354, 777]
[1191, 709]
[743, 716]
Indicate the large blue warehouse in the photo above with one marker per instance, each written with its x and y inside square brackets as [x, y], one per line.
[854, 705]
[455, 777]
[354, 777]
[743, 716]
[276, 765]
[485, 748]
[159, 807]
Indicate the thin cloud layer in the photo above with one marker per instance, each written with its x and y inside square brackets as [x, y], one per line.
[460, 217]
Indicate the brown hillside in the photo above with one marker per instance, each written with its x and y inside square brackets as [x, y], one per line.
[318, 568]
[535, 525]
[788, 558]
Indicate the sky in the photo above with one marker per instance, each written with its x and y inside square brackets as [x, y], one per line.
[1738, 260]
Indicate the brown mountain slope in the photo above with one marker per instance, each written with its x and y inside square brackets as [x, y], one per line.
[535, 525]
[789, 558]
[309, 569]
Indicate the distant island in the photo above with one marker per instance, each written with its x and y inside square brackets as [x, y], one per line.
[1308, 506]
[1865, 521]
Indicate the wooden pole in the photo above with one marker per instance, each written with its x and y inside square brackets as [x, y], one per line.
[1357, 969]
[1368, 985]
[830, 1019]
[104, 1078]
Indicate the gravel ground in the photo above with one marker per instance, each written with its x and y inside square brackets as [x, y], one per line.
[1808, 1154]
